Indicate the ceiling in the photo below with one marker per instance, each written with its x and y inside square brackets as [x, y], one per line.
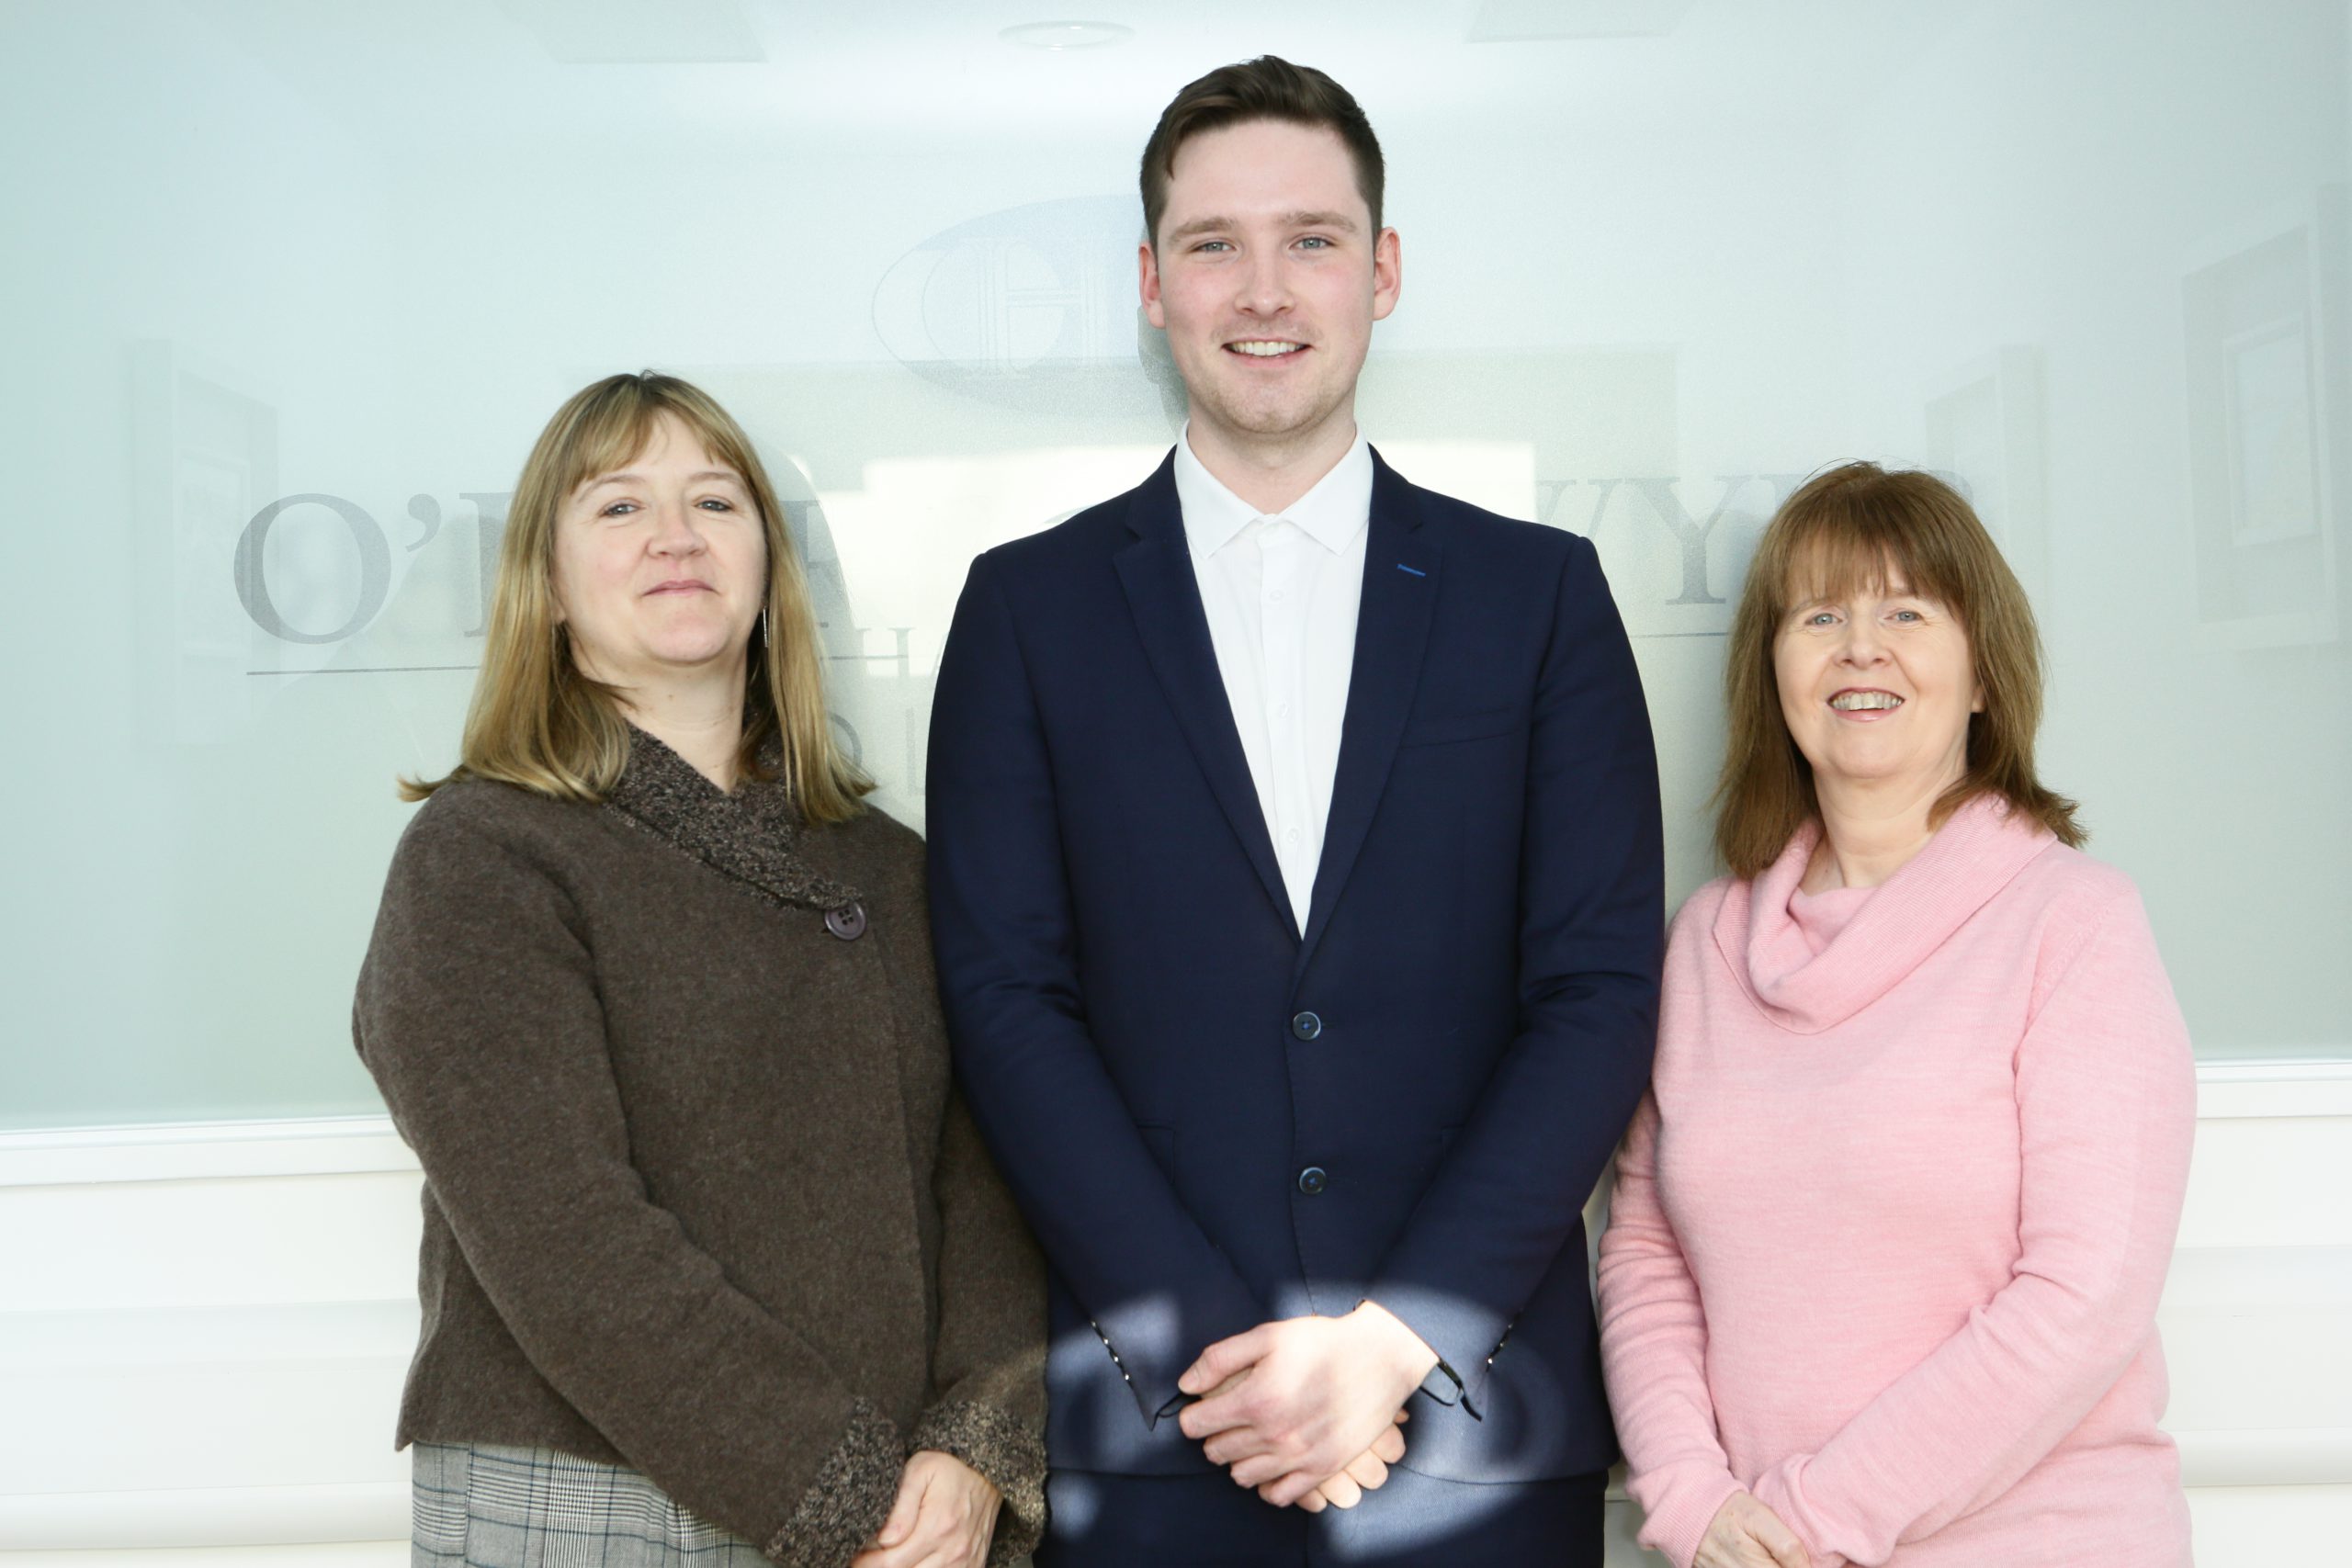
[454, 71]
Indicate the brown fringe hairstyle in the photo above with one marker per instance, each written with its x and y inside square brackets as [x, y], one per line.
[1268, 87]
[1855, 527]
[537, 722]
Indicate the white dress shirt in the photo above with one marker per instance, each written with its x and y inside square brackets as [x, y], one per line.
[1281, 593]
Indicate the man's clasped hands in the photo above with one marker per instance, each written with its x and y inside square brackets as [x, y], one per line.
[1308, 1410]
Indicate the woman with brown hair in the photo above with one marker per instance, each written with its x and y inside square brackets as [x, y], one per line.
[1881, 1278]
[715, 1267]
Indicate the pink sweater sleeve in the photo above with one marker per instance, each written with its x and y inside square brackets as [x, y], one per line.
[1654, 1353]
[2105, 1108]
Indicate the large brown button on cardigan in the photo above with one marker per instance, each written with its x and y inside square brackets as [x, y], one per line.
[699, 1200]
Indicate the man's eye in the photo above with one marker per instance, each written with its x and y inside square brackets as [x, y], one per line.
[1318, 241]
[1213, 245]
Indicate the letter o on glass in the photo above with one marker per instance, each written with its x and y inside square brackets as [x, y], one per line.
[375, 568]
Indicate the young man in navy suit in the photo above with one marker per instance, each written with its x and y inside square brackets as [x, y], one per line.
[1295, 883]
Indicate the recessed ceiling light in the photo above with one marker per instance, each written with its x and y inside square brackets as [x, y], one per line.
[1066, 35]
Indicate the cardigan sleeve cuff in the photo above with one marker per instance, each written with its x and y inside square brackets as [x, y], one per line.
[1677, 1512]
[851, 1498]
[1776, 1489]
[1007, 1453]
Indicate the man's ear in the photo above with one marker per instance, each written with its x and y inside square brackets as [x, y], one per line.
[1148, 286]
[1387, 272]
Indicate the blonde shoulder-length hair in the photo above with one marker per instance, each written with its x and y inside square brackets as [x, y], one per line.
[1854, 526]
[537, 722]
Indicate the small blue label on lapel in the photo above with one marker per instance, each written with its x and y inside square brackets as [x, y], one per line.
[1415, 571]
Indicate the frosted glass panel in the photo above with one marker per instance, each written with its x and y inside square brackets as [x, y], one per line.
[291, 288]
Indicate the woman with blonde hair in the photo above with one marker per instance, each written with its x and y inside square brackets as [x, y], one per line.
[1881, 1277]
[715, 1267]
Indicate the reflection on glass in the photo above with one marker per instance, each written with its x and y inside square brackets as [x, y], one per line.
[300, 294]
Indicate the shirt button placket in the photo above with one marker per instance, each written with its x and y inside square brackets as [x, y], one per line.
[1287, 561]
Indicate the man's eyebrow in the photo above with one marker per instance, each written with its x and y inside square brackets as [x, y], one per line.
[1199, 226]
[1302, 219]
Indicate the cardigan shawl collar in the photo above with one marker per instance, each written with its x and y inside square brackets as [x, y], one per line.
[751, 837]
[1978, 851]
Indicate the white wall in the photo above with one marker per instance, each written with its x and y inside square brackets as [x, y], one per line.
[212, 1361]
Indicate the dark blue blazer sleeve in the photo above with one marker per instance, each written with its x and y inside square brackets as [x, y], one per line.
[1158, 1290]
[1591, 919]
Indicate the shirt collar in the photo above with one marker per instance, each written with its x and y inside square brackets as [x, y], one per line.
[1332, 513]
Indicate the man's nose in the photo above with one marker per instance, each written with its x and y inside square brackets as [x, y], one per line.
[1265, 288]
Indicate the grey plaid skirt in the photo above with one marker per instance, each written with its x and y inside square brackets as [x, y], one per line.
[480, 1505]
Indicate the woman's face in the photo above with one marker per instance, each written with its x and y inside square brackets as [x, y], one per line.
[661, 567]
[1877, 688]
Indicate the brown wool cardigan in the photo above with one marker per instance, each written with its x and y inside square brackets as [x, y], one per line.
[698, 1198]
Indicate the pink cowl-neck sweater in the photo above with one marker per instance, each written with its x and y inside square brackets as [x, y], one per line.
[1890, 1227]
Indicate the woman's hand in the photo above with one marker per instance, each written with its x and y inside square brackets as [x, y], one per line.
[944, 1518]
[1747, 1534]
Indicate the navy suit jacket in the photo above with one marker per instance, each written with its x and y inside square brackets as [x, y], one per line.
[1213, 1120]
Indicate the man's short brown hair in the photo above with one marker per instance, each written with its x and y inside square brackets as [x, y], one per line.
[1268, 87]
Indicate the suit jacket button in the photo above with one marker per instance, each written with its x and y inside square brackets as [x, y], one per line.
[1306, 1026]
[848, 922]
[1313, 1180]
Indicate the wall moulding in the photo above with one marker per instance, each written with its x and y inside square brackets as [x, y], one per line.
[2319, 1085]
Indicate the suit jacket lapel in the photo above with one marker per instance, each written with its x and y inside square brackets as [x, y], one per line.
[1156, 572]
[1400, 585]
